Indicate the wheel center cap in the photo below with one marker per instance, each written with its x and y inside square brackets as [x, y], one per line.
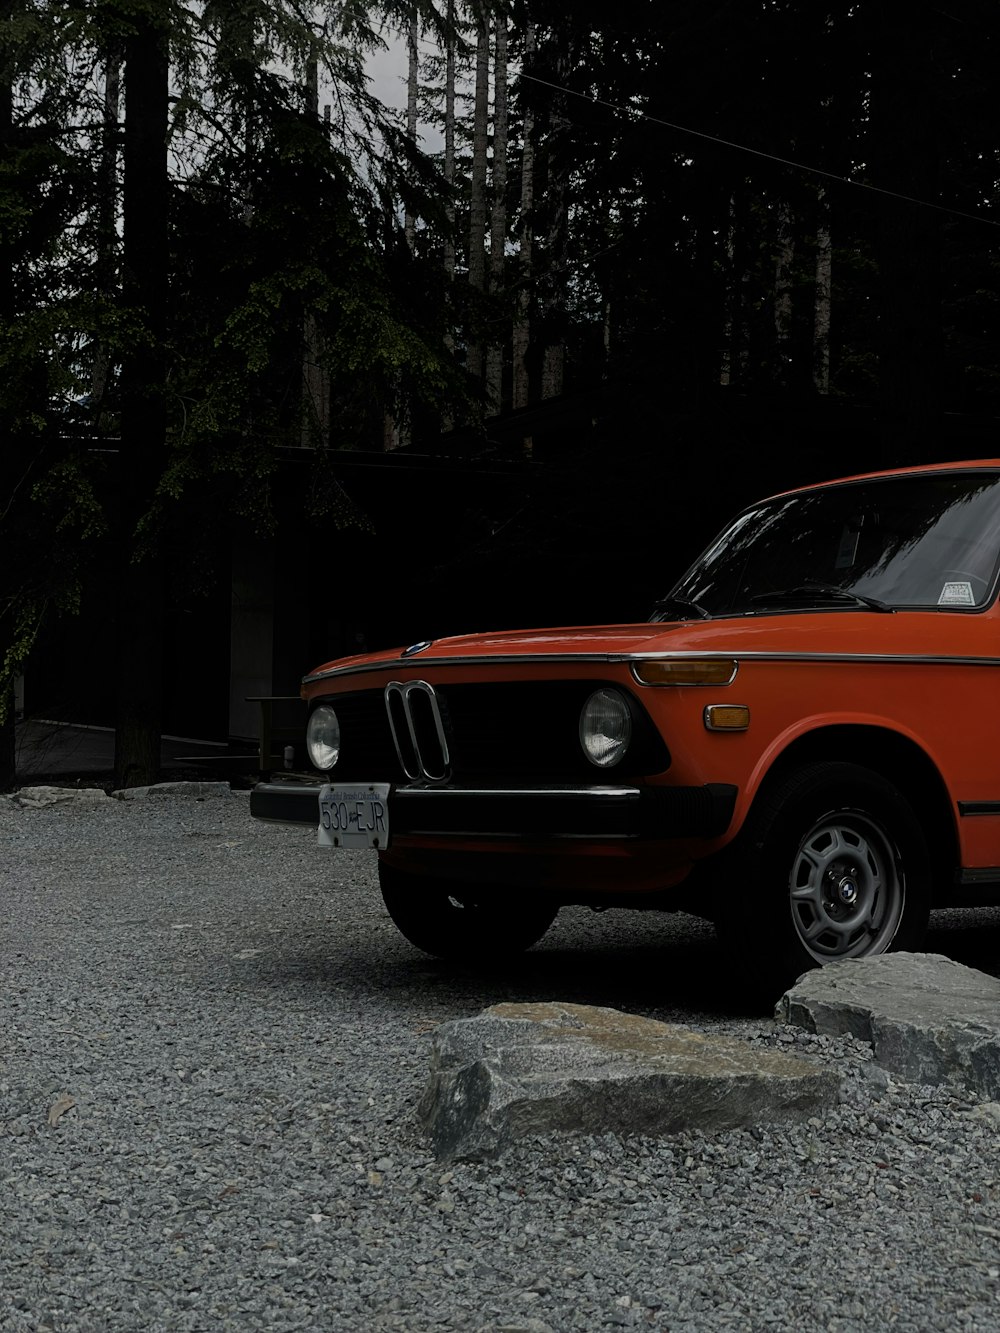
[847, 891]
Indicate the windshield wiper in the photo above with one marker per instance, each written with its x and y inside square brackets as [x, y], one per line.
[680, 607]
[829, 590]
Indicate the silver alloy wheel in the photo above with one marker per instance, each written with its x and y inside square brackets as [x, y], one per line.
[846, 890]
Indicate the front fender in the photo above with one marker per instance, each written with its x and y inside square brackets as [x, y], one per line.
[812, 727]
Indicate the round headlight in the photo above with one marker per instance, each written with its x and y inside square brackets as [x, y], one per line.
[323, 737]
[605, 727]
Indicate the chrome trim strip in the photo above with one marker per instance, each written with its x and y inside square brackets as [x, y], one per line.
[394, 663]
[391, 690]
[896, 659]
[498, 793]
[753, 655]
[494, 835]
[966, 808]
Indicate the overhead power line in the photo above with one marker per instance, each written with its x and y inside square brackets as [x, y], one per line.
[759, 152]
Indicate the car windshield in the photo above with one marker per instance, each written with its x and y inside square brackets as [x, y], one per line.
[929, 540]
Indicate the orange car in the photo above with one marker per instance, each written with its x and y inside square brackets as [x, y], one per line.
[802, 744]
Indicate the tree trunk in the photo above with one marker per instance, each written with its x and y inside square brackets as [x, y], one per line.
[449, 176]
[8, 751]
[8, 742]
[729, 299]
[498, 217]
[695, 352]
[139, 657]
[552, 301]
[449, 144]
[107, 222]
[315, 428]
[736, 332]
[315, 432]
[905, 127]
[412, 82]
[522, 315]
[477, 187]
[823, 297]
[783, 260]
[553, 369]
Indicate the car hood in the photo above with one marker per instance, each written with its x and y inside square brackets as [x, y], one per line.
[602, 640]
[842, 632]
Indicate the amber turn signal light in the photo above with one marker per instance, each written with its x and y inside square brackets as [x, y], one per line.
[685, 671]
[727, 717]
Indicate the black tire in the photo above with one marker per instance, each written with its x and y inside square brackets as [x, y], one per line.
[831, 864]
[461, 921]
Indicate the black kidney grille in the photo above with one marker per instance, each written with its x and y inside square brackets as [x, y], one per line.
[496, 732]
[514, 731]
[517, 730]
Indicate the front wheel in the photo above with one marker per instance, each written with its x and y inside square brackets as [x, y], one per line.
[462, 921]
[831, 864]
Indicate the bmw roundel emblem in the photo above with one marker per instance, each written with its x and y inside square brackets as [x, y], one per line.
[416, 648]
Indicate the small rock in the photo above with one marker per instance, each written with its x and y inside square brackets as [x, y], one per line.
[35, 798]
[199, 790]
[989, 1112]
[521, 1326]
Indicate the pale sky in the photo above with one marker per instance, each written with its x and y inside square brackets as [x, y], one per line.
[387, 70]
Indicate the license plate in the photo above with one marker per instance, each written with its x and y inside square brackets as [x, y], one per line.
[354, 816]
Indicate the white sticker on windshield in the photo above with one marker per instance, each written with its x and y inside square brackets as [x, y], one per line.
[956, 594]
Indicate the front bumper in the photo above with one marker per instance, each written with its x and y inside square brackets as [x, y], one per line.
[594, 813]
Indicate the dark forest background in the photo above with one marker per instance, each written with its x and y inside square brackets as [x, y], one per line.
[508, 356]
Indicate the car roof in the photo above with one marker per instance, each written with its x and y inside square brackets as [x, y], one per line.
[983, 464]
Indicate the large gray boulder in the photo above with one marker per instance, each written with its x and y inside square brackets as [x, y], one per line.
[929, 1020]
[520, 1069]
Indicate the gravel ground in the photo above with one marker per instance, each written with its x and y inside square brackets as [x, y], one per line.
[244, 1038]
